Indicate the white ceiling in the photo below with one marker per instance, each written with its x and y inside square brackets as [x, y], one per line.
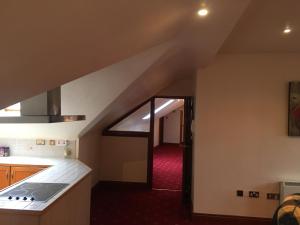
[260, 28]
[47, 44]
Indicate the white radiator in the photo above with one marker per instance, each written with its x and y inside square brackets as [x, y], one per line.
[288, 188]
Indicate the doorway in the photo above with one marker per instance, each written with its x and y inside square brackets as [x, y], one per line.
[167, 146]
[148, 120]
[171, 145]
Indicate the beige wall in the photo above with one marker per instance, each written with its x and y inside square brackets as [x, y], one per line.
[89, 152]
[123, 159]
[182, 87]
[172, 127]
[241, 137]
[114, 158]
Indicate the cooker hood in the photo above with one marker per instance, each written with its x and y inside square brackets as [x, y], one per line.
[43, 108]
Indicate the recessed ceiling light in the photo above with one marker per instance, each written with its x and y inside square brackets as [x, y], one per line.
[287, 30]
[203, 12]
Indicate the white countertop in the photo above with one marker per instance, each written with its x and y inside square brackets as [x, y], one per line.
[60, 171]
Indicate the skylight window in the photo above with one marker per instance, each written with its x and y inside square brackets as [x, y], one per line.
[13, 110]
[159, 109]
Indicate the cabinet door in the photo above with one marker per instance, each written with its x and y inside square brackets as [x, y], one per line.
[4, 176]
[19, 173]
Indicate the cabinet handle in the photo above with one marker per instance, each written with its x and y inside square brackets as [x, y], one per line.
[12, 175]
[7, 175]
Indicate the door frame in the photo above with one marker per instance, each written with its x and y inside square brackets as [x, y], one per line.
[187, 153]
[161, 130]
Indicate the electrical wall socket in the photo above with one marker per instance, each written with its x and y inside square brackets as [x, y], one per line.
[40, 141]
[61, 142]
[273, 196]
[52, 142]
[239, 193]
[253, 194]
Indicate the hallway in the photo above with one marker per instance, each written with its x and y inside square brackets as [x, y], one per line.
[167, 167]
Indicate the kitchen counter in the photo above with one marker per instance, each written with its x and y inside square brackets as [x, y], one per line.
[68, 171]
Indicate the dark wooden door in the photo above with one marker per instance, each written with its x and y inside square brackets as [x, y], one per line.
[188, 148]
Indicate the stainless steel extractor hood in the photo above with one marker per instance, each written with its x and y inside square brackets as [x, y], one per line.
[43, 108]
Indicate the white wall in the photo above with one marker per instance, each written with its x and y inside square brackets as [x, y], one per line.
[172, 127]
[89, 153]
[241, 140]
[28, 147]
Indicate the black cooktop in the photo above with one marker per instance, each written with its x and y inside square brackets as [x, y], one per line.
[34, 191]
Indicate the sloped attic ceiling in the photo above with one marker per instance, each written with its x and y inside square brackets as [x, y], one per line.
[260, 29]
[195, 46]
[89, 95]
[46, 44]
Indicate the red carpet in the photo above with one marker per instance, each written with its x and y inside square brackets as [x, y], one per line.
[116, 203]
[167, 167]
[123, 204]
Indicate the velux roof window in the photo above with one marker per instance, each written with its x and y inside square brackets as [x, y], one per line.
[13, 110]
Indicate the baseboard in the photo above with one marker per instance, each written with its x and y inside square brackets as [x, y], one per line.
[241, 220]
[173, 144]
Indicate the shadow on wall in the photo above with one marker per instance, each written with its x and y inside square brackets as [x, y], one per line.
[115, 158]
[123, 159]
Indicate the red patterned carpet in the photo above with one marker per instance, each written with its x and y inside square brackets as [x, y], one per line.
[167, 167]
[116, 203]
[125, 204]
